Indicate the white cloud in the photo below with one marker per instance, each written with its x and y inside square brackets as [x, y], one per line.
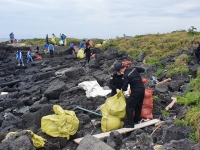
[96, 18]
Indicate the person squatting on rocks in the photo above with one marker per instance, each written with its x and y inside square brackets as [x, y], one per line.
[71, 50]
[197, 53]
[135, 100]
[81, 45]
[12, 37]
[29, 56]
[46, 48]
[19, 57]
[116, 81]
[51, 49]
[37, 49]
[87, 52]
[47, 39]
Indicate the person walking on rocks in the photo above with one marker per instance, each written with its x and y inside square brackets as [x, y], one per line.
[47, 39]
[116, 81]
[12, 37]
[29, 56]
[51, 49]
[135, 100]
[87, 52]
[19, 57]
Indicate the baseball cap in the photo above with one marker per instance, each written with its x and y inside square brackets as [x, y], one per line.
[119, 66]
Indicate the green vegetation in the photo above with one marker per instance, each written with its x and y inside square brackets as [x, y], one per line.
[179, 66]
[38, 41]
[155, 97]
[179, 122]
[164, 112]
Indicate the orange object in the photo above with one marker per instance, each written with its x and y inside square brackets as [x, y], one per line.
[127, 63]
[38, 57]
[144, 80]
[147, 106]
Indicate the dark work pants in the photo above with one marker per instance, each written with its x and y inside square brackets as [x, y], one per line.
[134, 107]
[51, 53]
[88, 57]
[113, 92]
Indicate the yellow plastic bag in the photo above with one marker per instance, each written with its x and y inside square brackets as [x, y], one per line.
[115, 105]
[65, 42]
[53, 40]
[113, 111]
[81, 54]
[62, 124]
[38, 141]
[23, 44]
[109, 123]
[97, 45]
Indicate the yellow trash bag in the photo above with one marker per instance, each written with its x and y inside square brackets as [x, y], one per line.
[115, 105]
[109, 123]
[62, 124]
[53, 40]
[113, 111]
[97, 45]
[38, 141]
[81, 54]
[46, 51]
[23, 44]
[65, 42]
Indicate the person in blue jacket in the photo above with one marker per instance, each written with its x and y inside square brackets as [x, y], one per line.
[12, 37]
[63, 37]
[19, 57]
[46, 48]
[29, 56]
[81, 45]
[51, 49]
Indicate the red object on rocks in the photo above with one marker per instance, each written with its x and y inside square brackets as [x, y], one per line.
[38, 57]
[127, 63]
[144, 80]
[147, 106]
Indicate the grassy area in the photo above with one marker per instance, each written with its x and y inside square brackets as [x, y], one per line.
[41, 42]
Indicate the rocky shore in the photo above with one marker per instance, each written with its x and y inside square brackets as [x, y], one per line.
[33, 89]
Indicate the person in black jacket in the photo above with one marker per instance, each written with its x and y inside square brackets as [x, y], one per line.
[197, 53]
[116, 80]
[87, 52]
[135, 100]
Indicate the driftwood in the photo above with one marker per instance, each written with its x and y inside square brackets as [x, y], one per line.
[156, 129]
[164, 81]
[174, 100]
[123, 130]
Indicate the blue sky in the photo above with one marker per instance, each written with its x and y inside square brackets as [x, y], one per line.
[96, 18]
